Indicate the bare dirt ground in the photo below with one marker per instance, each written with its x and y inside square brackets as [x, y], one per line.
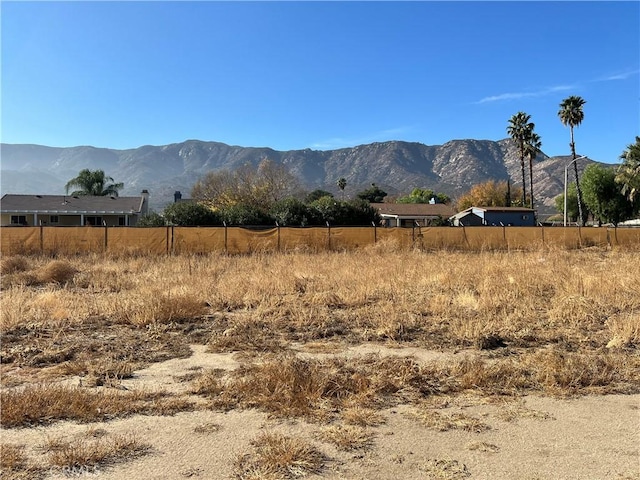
[533, 437]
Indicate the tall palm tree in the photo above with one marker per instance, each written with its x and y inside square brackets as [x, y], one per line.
[531, 149]
[629, 172]
[94, 183]
[342, 183]
[571, 115]
[518, 130]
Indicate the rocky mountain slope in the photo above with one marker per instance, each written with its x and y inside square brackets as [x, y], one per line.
[395, 166]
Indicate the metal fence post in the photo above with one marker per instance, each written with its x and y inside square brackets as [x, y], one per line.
[226, 250]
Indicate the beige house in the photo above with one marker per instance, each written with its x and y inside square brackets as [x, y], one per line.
[412, 214]
[66, 210]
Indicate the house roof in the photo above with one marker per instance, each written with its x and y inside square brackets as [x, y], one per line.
[65, 204]
[502, 209]
[414, 210]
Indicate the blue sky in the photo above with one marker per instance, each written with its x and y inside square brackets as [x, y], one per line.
[321, 75]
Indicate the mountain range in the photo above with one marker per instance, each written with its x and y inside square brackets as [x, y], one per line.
[395, 166]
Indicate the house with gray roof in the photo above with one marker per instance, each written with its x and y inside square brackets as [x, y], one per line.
[412, 214]
[67, 210]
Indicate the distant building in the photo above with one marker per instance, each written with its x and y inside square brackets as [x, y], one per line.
[66, 210]
[412, 214]
[494, 216]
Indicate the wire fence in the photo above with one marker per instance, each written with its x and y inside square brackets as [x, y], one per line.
[239, 240]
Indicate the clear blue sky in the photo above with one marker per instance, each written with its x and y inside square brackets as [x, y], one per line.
[293, 75]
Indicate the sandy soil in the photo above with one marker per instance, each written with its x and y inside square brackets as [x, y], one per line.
[594, 437]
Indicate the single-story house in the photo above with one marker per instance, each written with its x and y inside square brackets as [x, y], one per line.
[494, 216]
[412, 214]
[66, 210]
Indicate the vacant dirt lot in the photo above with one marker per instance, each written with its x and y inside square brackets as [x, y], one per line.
[376, 364]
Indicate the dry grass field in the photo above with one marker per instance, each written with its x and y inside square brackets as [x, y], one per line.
[377, 363]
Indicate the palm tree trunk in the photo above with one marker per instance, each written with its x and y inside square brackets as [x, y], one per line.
[524, 180]
[581, 218]
[531, 180]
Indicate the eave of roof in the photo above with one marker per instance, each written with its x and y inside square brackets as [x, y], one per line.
[69, 205]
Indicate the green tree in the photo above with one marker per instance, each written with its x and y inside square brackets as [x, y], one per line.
[531, 150]
[519, 129]
[354, 212]
[424, 195]
[93, 183]
[342, 184]
[628, 175]
[151, 219]
[603, 195]
[571, 115]
[572, 203]
[373, 194]
[245, 214]
[191, 214]
[316, 194]
[292, 212]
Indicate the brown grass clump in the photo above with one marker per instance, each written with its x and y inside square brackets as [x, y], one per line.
[483, 447]
[14, 463]
[57, 271]
[450, 421]
[445, 469]
[361, 416]
[149, 307]
[89, 450]
[14, 264]
[287, 386]
[624, 330]
[44, 404]
[347, 437]
[278, 456]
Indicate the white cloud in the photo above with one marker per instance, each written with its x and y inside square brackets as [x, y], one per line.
[519, 95]
[617, 76]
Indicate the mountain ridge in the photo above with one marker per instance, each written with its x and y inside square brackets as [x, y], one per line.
[396, 166]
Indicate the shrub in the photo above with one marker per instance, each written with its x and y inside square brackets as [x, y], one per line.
[190, 214]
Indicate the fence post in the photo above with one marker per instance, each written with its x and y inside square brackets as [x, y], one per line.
[226, 251]
[105, 238]
[375, 233]
[278, 225]
[41, 239]
[328, 236]
[466, 240]
[579, 236]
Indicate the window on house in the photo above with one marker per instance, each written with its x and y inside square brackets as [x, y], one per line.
[93, 221]
[53, 219]
[525, 217]
[18, 220]
[122, 221]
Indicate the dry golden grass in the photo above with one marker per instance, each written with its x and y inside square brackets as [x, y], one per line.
[91, 450]
[287, 386]
[483, 447]
[445, 469]
[277, 456]
[554, 322]
[14, 264]
[449, 421]
[14, 463]
[347, 437]
[47, 403]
